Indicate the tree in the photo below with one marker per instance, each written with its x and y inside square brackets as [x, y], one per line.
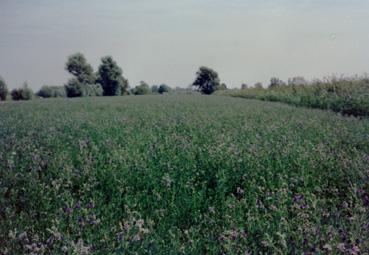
[258, 85]
[74, 88]
[51, 91]
[244, 86]
[207, 80]
[155, 89]
[110, 77]
[163, 88]
[142, 89]
[80, 69]
[275, 83]
[3, 90]
[24, 93]
[298, 80]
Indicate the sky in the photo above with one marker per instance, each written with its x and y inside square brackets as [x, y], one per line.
[166, 41]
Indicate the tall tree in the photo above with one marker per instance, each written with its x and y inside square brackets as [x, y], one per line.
[78, 66]
[110, 76]
[207, 80]
[3, 90]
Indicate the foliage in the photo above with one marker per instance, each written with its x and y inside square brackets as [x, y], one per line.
[244, 86]
[24, 93]
[275, 83]
[207, 80]
[163, 88]
[80, 69]
[3, 90]
[142, 89]
[51, 91]
[76, 89]
[181, 175]
[155, 89]
[258, 85]
[347, 96]
[111, 77]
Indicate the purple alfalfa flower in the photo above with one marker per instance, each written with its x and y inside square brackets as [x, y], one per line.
[78, 205]
[243, 234]
[120, 236]
[90, 204]
[298, 197]
[68, 210]
[80, 220]
[304, 206]
[354, 250]
[222, 238]
[233, 234]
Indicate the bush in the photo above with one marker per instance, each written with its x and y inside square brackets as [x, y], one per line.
[52, 91]
[23, 93]
[347, 96]
[92, 90]
[76, 89]
[3, 90]
[164, 89]
[142, 89]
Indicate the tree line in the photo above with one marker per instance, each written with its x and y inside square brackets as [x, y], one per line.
[108, 80]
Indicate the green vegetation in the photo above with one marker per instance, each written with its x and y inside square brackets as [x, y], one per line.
[3, 90]
[347, 96]
[51, 91]
[181, 175]
[207, 81]
[23, 93]
[142, 89]
[110, 76]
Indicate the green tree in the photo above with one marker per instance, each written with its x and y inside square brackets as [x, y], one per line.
[155, 89]
[275, 83]
[51, 91]
[163, 88]
[74, 88]
[24, 93]
[207, 80]
[142, 89]
[244, 86]
[80, 69]
[3, 90]
[110, 76]
[258, 85]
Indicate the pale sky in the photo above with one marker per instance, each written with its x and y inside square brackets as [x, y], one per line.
[165, 41]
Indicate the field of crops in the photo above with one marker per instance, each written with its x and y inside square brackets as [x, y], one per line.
[347, 96]
[181, 175]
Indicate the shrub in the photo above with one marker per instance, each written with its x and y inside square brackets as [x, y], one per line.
[51, 91]
[3, 90]
[347, 96]
[23, 93]
[76, 89]
[163, 88]
[142, 89]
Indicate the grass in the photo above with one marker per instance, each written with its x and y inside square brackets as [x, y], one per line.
[347, 96]
[181, 175]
